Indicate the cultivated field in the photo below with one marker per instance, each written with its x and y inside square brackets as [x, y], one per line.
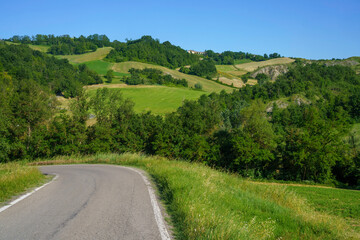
[338, 202]
[157, 99]
[252, 66]
[41, 48]
[208, 85]
[99, 54]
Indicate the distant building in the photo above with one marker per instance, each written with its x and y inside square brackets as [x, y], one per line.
[195, 52]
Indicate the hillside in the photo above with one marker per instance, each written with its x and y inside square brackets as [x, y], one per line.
[147, 49]
[249, 67]
[231, 74]
[208, 85]
[160, 100]
[99, 54]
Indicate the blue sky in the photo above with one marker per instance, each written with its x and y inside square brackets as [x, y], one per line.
[311, 29]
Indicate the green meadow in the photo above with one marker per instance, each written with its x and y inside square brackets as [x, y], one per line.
[338, 202]
[157, 99]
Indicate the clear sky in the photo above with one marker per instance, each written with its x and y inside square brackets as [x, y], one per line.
[312, 29]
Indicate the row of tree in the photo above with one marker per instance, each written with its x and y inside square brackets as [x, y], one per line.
[152, 76]
[64, 44]
[230, 57]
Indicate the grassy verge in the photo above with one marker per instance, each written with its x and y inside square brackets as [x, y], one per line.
[208, 204]
[15, 178]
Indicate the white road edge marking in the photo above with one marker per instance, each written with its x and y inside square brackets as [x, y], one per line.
[158, 216]
[26, 195]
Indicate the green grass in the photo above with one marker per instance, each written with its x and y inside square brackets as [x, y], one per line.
[339, 202]
[207, 204]
[15, 178]
[99, 66]
[208, 85]
[99, 54]
[41, 48]
[225, 68]
[157, 99]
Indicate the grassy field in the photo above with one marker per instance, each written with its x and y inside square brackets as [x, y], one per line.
[41, 48]
[225, 68]
[207, 204]
[15, 178]
[99, 54]
[252, 66]
[338, 202]
[99, 66]
[208, 85]
[157, 99]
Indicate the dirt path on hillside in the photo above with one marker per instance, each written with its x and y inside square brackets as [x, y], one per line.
[118, 85]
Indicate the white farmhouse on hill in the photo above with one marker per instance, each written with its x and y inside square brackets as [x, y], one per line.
[195, 52]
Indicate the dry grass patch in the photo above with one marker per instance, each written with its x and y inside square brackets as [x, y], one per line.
[99, 54]
[252, 66]
[235, 82]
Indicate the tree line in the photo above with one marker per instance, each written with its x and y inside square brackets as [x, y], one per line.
[64, 44]
[229, 57]
[149, 50]
[152, 76]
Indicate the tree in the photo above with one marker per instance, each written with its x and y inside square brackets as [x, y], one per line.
[109, 76]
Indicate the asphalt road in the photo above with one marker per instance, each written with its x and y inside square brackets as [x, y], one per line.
[84, 202]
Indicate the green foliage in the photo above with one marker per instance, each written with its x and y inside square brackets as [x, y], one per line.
[204, 68]
[300, 140]
[150, 76]
[198, 86]
[23, 63]
[109, 76]
[65, 45]
[147, 49]
[230, 58]
[262, 78]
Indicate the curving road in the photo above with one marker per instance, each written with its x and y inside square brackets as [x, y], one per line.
[85, 202]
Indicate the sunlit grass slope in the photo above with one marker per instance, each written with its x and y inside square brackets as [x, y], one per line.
[339, 202]
[208, 85]
[208, 204]
[99, 54]
[157, 99]
[251, 66]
